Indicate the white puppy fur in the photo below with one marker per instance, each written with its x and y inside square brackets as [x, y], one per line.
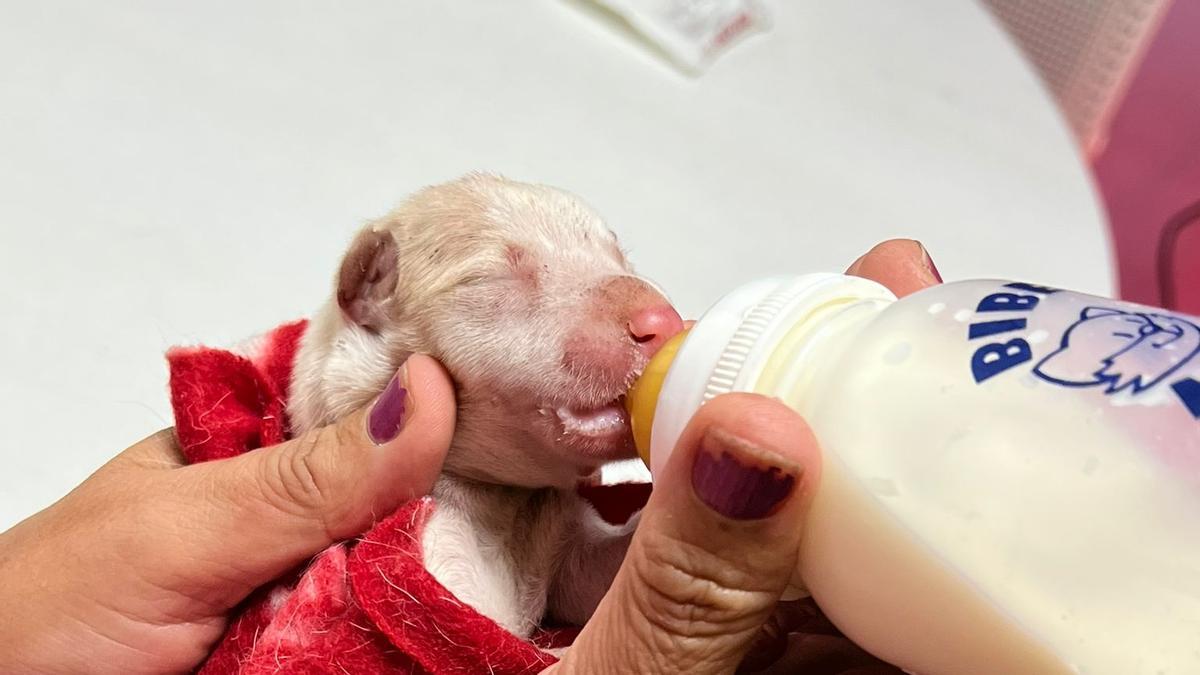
[525, 296]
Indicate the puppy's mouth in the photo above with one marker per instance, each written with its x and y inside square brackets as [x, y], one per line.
[599, 433]
[607, 421]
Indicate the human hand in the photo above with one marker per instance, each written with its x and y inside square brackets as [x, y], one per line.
[902, 265]
[718, 541]
[137, 568]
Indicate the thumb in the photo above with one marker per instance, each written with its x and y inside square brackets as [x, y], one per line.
[715, 548]
[902, 265]
[275, 507]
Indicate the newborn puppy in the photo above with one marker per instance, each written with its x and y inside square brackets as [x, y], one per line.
[522, 292]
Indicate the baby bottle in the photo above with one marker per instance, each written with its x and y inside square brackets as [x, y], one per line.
[1011, 476]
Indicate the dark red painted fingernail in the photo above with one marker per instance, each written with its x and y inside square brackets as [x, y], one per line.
[391, 409]
[930, 265]
[728, 477]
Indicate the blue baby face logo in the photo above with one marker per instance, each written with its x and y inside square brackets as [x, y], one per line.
[1108, 348]
[1120, 350]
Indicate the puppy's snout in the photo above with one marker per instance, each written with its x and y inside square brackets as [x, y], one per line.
[652, 325]
[639, 310]
[626, 322]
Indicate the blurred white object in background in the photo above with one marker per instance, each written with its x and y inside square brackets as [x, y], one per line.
[1085, 50]
[690, 33]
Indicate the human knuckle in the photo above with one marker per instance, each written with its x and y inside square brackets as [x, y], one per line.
[294, 480]
[691, 593]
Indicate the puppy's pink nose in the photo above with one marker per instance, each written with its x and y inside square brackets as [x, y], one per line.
[652, 326]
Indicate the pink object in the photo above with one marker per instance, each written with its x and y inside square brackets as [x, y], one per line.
[1085, 52]
[1178, 255]
[1149, 173]
[653, 326]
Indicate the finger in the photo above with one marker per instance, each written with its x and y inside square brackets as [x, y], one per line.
[819, 654]
[903, 265]
[716, 546]
[771, 644]
[768, 646]
[270, 509]
[158, 451]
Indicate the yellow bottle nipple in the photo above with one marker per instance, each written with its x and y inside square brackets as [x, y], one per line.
[642, 399]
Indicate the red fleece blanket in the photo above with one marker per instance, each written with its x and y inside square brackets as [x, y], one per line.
[367, 606]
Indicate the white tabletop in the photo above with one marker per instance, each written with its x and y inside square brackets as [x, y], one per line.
[182, 172]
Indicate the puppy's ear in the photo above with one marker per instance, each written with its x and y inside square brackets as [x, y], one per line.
[367, 280]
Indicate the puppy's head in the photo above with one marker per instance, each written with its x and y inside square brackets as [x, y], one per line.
[522, 292]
